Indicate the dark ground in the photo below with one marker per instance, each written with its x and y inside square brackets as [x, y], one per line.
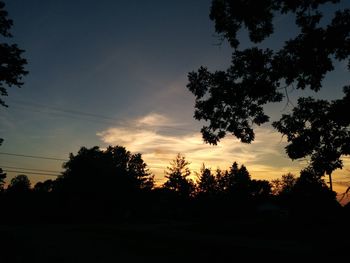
[234, 241]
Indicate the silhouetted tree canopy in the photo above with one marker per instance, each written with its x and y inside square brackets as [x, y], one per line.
[19, 184]
[320, 130]
[177, 174]
[260, 188]
[232, 101]
[2, 179]
[207, 183]
[11, 61]
[312, 190]
[285, 185]
[236, 181]
[44, 187]
[112, 170]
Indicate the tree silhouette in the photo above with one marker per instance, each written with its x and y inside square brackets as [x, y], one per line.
[177, 174]
[114, 170]
[207, 183]
[2, 179]
[260, 188]
[285, 185]
[232, 101]
[310, 192]
[133, 165]
[221, 180]
[19, 184]
[318, 129]
[44, 187]
[11, 70]
[11, 61]
[237, 181]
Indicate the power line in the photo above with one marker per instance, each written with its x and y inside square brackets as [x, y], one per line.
[70, 111]
[33, 173]
[65, 115]
[33, 156]
[29, 169]
[49, 158]
[51, 171]
[75, 113]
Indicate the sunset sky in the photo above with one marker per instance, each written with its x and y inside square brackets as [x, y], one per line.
[115, 73]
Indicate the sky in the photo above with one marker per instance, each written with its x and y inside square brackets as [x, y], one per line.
[115, 73]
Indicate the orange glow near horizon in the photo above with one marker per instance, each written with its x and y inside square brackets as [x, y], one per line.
[265, 158]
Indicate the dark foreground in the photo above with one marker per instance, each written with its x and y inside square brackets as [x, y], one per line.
[277, 241]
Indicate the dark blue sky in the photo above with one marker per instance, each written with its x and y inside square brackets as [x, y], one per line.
[102, 55]
[126, 61]
[118, 59]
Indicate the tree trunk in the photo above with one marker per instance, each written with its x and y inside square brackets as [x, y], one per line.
[330, 182]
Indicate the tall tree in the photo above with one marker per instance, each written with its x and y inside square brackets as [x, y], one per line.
[11, 61]
[112, 170]
[285, 185]
[2, 179]
[233, 101]
[207, 183]
[177, 174]
[311, 191]
[19, 184]
[260, 188]
[320, 130]
[238, 181]
[44, 187]
[133, 165]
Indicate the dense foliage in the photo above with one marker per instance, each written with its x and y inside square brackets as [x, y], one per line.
[233, 101]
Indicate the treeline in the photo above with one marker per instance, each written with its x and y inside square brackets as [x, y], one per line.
[114, 184]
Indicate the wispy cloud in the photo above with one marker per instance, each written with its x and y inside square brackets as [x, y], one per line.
[264, 158]
[153, 119]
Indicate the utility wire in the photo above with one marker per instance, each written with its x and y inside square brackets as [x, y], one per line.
[50, 158]
[33, 156]
[75, 113]
[29, 169]
[34, 173]
[62, 114]
[70, 111]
